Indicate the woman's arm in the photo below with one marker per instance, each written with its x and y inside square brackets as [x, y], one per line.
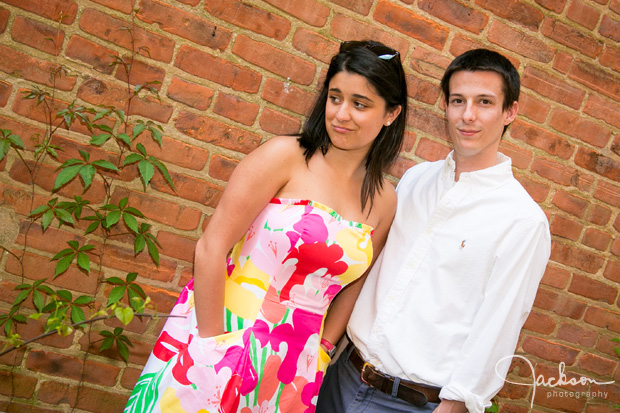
[342, 305]
[257, 179]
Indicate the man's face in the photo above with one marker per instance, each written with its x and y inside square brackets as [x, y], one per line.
[476, 119]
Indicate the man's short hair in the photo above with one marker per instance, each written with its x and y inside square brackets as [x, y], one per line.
[485, 60]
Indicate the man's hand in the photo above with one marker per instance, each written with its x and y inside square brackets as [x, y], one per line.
[450, 406]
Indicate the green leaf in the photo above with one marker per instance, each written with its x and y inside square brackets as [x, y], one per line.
[16, 141]
[132, 158]
[92, 227]
[104, 128]
[123, 350]
[87, 173]
[64, 216]
[114, 280]
[73, 244]
[21, 297]
[63, 264]
[123, 203]
[46, 218]
[64, 294]
[106, 343]
[141, 149]
[156, 134]
[101, 114]
[146, 171]
[83, 261]
[134, 211]
[153, 252]
[62, 253]
[83, 299]
[138, 129]
[100, 139]
[105, 165]
[4, 148]
[139, 244]
[77, 314]
[124, 138]
[112, 218]
[66, 175]
[125, 315]
[164, 171]
[38, 210]
[38, 300]
[131, 277]
[116, 294]
[130, 221]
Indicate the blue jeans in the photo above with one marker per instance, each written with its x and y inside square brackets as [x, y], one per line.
[342, 391]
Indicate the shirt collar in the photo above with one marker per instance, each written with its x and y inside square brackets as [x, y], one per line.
[484, 179]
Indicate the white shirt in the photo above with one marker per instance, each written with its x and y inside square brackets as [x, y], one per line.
[448, 295]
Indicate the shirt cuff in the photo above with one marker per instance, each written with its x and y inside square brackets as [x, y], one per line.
[474, 403]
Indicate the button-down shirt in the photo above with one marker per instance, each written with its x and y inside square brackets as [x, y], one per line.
[448, 295]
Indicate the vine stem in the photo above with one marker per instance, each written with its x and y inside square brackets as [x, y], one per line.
[92, 320]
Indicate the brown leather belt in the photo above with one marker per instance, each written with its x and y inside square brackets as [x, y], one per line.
[415, 393]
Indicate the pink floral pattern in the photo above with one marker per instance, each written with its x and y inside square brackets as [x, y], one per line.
[281, 278]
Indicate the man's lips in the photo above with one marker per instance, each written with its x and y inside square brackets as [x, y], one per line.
[468, 132]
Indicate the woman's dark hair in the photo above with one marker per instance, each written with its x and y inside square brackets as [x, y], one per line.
[381, 66]
[490, 61]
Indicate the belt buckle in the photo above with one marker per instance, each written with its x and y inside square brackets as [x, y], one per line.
[370, 366]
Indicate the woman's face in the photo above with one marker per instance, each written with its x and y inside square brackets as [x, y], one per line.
[354, 112]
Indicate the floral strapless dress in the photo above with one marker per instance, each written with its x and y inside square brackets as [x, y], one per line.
[282, 276]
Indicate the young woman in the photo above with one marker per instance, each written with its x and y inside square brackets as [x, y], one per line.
[303, 216]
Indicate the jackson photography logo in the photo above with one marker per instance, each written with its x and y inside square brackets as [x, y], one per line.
[553, 382]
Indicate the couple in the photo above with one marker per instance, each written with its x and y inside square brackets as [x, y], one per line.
[428, 310]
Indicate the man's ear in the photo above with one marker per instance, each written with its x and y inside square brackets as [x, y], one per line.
[511, 113]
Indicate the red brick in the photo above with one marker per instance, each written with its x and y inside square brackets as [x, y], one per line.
[217, 133]
[533, 108]
[122, 259]
[115, 31]
[160, 210]
[615, 145]
[5, 92]
[201, 64]
[98, 92]
[309, 11]
[347, 28]
[571, 37]
[427, 121]
[570, 203]
[400, 166]
[553, 5]
[97, 56]
[38, 35]
[562, 62]
[124, 6]
[537, 190]
[315, 45]
[21, 65]
[565, 227]
[603, 109]
[236, 109]
[279, 123]
[596, 78]
[538, 137]
[556, 400]
[4, 18]
[600, 317]
[177, 246]
[614, 5]
[456, 14]
[189, 93]
[610, 58]
[595, 162]
[615, 247]
[140, 73]
[191, 188]
[516, 11]
[46, 362]
[130, 377]
[589, 288]
[57, 393]
[577, 335]
[599, 214]
[612, 271]
[176, 152]
[581, 13]
[17, 385]
[511, 39]
[359, 6]
[35, 328]
[275, 60]
[556, 172]
[576, 126]
[548, 350]
[608, 193]
[422, 90]
[552, 87]
[249, 17]
[610, 28]
[540, 323]
[428, 63]
[432, 150]
[222, 167]
[288, 97]
[555, 277]
[51, 9]
[596, 239]
[185, 24]
[576, 257]
[597, 364]
[138, 354]
[92, 399]
[411, 24]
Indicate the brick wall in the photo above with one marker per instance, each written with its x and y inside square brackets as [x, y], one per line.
[233, 73]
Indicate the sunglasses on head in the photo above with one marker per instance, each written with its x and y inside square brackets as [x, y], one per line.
[382, 52]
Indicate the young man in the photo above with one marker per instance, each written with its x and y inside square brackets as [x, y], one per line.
[446, 300]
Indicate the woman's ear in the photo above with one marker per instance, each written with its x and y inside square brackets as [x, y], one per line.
[392, 114]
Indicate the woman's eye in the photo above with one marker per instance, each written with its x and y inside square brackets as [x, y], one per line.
[334, 99]
[360, 105]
